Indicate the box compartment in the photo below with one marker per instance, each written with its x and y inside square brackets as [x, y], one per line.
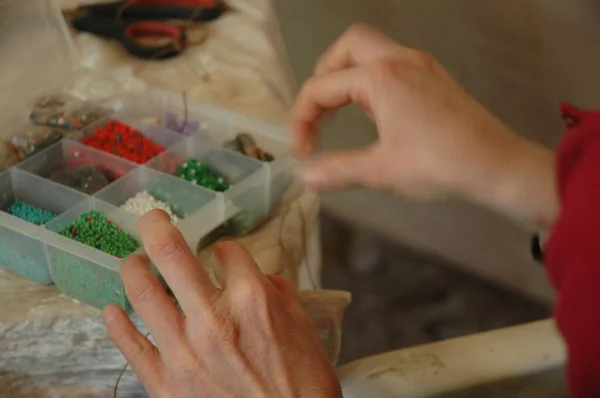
[158, 134]
[199, 210]
[84, 272]
[247, 198]
[22, 249]
[70, 155]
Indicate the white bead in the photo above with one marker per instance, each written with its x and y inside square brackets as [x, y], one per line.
[143, 202]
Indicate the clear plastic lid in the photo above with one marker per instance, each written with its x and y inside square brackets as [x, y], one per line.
[36, 55]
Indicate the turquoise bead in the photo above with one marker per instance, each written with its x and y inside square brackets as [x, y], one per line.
[30, 213]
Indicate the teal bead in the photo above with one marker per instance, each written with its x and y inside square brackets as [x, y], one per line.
[30, 213]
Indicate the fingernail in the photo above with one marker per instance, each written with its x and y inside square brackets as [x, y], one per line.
[313, 176]
[213, 264]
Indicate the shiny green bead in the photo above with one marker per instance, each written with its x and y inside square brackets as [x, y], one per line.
[199, 174]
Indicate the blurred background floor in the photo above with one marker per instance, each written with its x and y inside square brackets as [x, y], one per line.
[403, 298]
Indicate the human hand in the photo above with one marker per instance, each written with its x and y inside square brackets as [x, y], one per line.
[433, 136]
[249, 339]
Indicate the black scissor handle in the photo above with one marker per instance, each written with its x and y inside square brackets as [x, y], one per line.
[144, 12]
[105, 27]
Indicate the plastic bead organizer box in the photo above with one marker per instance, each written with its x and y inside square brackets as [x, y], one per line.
[72, 250]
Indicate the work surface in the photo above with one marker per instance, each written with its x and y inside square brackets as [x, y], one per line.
[524, 361]
[52, 346]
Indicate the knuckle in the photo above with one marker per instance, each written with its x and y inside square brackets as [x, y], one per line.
[233, 253]
[228, 246]
[307, 91]
[423, 59]
[143, 291]
[168, 247]
[358, 29]
[386, 69]
[221, 331]
[310, 85]
[189, 369]
[252, 294]
[142, 353]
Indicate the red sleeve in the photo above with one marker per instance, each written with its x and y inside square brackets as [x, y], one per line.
[573, 250]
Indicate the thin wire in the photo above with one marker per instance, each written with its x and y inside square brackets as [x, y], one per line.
[309, 271]
[304, 231]
[116, 388]
[185, 109]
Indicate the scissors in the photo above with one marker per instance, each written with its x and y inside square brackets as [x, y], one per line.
[141, 26]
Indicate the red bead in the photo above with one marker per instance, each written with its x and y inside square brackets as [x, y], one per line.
[124, 141]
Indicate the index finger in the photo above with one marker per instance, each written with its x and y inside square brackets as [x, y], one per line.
[318, 95]
[359, 45]
[182, 271]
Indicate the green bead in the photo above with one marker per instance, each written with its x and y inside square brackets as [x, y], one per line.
[93, 229]
[199, 174]
[190, 175]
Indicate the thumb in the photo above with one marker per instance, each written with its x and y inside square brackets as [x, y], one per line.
[339, 170]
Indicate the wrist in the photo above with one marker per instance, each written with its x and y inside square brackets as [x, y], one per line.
[333, 390]
[519, 180]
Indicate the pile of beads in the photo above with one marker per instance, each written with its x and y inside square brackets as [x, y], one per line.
[31, 213]
[21, 146]
[122, 140]
[8, 155]
[112, 168]
[34, 140]
[198, 174]
[65, 112]
[95, 230]
[143, 202]
[244, 143]
[86, 179]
